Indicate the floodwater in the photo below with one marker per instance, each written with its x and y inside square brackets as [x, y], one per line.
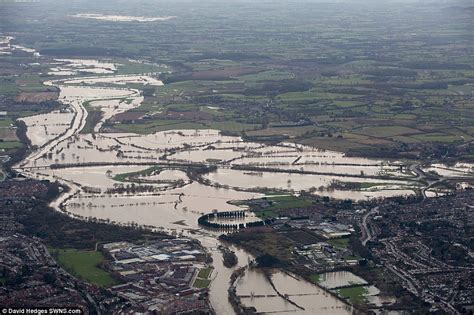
[170, 209]
[336, 279]
[118, 79]
[297, 182]
[6, 48]
[256, 291]
[27, 50]
[110, 108]
[95, 177]
[457, 170]
[289, 156]
[221, 276]
[177, 208]
[123, 18]
[42, 128]
[68, 67]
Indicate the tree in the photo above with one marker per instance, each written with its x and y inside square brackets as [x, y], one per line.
[267, 260]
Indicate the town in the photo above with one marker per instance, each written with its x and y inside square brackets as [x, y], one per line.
[237, 157]
[163, 275]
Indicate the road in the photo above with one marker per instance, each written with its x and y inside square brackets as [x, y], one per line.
[431, 181]
[366, 234]
[76, 126]
[421, 176]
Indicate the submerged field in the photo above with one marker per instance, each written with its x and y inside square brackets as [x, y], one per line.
[310, 73]
[183, 173]
[153, 115]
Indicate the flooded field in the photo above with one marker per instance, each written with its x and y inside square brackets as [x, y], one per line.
[336, 279]
[42, 128]
[6, 48]
[177, 208]
[95, 177]
[150, 180]
[123, 18]
[117, 79]
[319, 184]
[69, 67]
[306, 297]
[456, 170]
[347, 285]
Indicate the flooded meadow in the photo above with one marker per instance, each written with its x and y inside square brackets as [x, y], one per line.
[122, 18]
[305, 297]
[157, 180]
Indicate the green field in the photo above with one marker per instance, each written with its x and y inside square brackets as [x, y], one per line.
[315, 278]
[306, 77]
[204, 273]
[356, 295]
[202, 279]
[286, 202]
[339, 242]
[5, 122]
[201, 283]
[279, 203]
[7, 145]
[137, 68]
[84, 265]
[158, 125]
[265, 214]
[125, 176]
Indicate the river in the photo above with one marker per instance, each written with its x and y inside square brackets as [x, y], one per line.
[174, 209]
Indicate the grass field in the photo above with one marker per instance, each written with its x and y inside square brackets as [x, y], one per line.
[286, 202]
[356, 295]
[204, 273]
[265, 214]
[387, 131]
[5, 122]
[136, 68]
[7, 145]
[339, 242]
[123, 177]
[280, 203]
[8, 134]
[352, 92]
[202, 279]
[201, 283]
[93, 118]
[315, 278]
[156, 126]
[84, 265]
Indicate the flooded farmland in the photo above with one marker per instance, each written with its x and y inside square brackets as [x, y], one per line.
[341, 282]
[122, 18]
[305, 297]
[336, 279]
[456, 170]
[148, 180]
[44, 127]
[117, 79]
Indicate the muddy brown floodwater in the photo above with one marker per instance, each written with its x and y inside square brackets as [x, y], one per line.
[90, 164]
